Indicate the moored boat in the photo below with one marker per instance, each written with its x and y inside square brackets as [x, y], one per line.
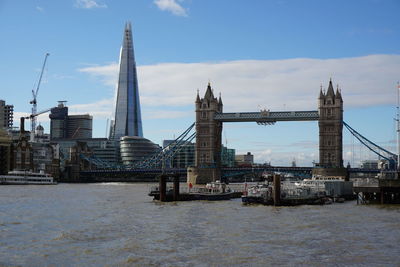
[212, 192]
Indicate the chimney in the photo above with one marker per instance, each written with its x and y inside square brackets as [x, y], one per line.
[22, 125]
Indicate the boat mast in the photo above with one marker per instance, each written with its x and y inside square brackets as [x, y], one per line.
[398, 126]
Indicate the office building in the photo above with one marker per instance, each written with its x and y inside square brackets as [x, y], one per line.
[64, 126]
[6, 115]
[245, 159]
[128, 120]
[182, 158]
[134, 149]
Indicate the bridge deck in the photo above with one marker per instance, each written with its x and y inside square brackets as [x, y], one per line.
[268, 116]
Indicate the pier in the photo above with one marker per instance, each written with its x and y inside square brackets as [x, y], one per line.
[386, 191]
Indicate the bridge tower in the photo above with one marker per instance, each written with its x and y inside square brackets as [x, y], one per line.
[330, 123]
[330, 109]
[208, 140]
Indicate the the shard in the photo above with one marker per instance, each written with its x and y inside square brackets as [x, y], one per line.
[128, 120]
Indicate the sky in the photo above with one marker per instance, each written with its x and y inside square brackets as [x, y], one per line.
[258, 54]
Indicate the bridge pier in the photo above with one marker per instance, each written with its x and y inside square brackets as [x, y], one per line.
[176, 187]
[163, 187]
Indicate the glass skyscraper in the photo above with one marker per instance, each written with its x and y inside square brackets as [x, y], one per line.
[128, 120]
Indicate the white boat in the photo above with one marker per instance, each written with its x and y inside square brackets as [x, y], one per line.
[26, 177]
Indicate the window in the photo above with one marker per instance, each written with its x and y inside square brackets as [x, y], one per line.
[204, 115]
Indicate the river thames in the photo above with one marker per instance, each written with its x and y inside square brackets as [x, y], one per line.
[116, 224]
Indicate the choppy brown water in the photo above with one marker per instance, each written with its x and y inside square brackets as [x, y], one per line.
[119, 225]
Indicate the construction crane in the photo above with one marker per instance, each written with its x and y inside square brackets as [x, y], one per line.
[33, 117]
[38, 113]
[34, 100]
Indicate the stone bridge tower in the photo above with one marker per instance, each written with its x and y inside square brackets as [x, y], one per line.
[330, 109]
[208, 140]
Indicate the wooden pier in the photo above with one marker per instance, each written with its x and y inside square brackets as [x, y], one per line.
[387, 191]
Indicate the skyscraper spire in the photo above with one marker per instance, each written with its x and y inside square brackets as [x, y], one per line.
[128, 119]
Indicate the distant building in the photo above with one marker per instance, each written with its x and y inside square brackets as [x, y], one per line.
[244, 160]
[185, 157]
[22, 152]
[227, 157]
[64, 126]
[134, 149]
[182, 158]
[369, 164]
[103, 149]
[6, 115]
[58, 122]
[5, 152]
[79, 126]
[37, 156]
[375, 164]
[128, 120]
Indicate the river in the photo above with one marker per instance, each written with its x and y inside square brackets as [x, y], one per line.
[116, 224]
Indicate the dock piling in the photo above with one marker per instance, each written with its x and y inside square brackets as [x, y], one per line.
[176, 187]
[163, 188]
[277, 190]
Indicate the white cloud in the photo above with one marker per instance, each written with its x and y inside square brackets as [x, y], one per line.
[101, 109]
[40, 9]
[89, 4]
[247, 85]
[108, 74]
[164, 114]
[171, 6]
[168, 91]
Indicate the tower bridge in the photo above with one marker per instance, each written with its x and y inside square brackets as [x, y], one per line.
[210, 118]
[208, 130]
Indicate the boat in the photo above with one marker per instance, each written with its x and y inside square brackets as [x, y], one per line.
[18, 177]
[212, 191]
[292, 193]
[259, 193]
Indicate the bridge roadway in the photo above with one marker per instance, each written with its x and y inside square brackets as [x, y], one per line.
[224, 170]
[266, 116]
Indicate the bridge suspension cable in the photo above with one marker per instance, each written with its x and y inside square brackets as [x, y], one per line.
[378, 150]
[159, 159]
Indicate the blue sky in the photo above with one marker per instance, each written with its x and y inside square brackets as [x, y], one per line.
[258, 54]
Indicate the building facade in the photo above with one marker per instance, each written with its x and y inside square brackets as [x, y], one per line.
[64, 126]
[128, 120]
[58, 122]
[227, 157]
[6, 115]
[5, 152]
[244, 159]
[80, 126]
[134, 149]
[183, 158]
